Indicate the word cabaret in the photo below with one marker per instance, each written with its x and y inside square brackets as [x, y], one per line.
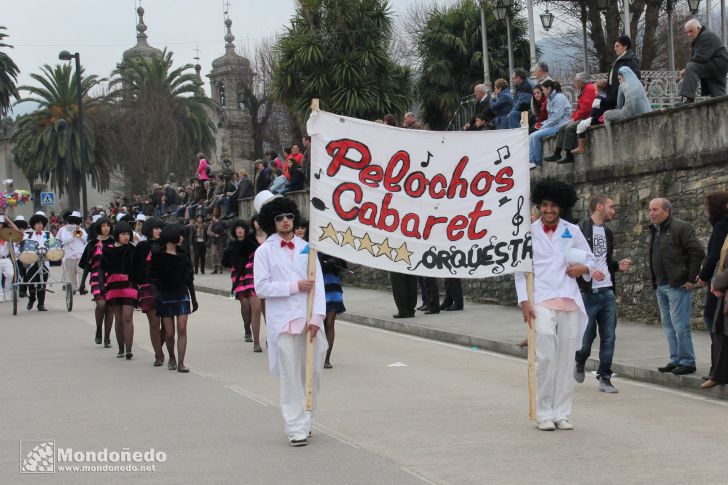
[444, 204]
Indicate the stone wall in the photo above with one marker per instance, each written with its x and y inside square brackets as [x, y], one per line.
[681, 154]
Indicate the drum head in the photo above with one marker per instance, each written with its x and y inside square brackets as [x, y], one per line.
[28, 251]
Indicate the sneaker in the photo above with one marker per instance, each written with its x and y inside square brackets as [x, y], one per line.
[532, 166]
[301, 442]
[605, 385]
[546, 425]
[579, 373]
[682, 370]
[668, 368]
[564, 425]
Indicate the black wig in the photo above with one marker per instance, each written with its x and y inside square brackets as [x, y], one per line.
[239, 223]
[171, 233]
[277, 206]
[121, 228]
[556, 191]
[149, 225]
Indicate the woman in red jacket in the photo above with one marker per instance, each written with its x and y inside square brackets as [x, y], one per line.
[566, 138]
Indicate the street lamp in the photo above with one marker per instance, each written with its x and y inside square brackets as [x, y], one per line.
[547, 19]
[502, 12]
[67, 56]
[693, 5]
[484, 29]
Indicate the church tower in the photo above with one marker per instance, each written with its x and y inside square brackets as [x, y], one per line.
[142, 49]
[230, 74]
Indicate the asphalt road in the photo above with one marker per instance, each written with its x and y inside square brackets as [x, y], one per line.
[442, 414]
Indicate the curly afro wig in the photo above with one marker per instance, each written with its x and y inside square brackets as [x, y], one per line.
[556, 191]
[149, 225]
[277, 206]
[239, 223]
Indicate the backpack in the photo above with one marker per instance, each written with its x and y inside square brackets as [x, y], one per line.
[208, 170]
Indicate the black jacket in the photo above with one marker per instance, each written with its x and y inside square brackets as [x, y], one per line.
[237, 253]
[245, 189]
[715, 243]
[172, 275]
[482, 108]
[707, 48]
[587, 228]
[629, 60]
[141, 266]
[681, 252]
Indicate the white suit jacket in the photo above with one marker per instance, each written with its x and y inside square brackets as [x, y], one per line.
[72, 246]
[273, 273]
[549, 267]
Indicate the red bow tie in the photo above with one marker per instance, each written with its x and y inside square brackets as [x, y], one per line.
[38, 233]
[547, 229]
[288, 244]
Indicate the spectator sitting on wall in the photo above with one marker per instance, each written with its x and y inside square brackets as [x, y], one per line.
[566, 137]
[272, 156]
[243, 191]
[595, 117]
[631, 100]
[279, 181]
[539, 109]
[501, 103]
[522, 97]
[262, 176]
[559, 110]
[296, 178]
[708, 63]
[541, 73]
[625, 57]
[482, 104]
[296, 155]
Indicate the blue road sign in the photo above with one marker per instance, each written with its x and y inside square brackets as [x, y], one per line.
[48, 199]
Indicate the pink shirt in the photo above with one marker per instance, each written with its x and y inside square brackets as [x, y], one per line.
[202, 170]
[298, 326]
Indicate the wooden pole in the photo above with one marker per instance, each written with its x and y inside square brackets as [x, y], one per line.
[531, 328]
[309, 309]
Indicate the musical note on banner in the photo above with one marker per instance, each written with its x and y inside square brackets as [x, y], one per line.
[517, 217]
[318, 175]
[429, 156]
[502, 157]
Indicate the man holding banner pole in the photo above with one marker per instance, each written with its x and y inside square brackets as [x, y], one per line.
[560, 255]
[281, 278]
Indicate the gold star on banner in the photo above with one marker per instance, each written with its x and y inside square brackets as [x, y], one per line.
[384, 249]
[349, 238]
[403, 254]
[329, 233]
[366, 243]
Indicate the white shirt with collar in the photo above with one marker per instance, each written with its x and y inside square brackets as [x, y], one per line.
[72, 246]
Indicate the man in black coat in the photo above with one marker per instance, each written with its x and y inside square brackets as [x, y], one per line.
[482, 107]
[625, 57]
[708, 64]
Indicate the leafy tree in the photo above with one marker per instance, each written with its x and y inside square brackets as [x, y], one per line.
[161, 125]
[47, 143]
[8, 77]
[451, 53]
[336, 50]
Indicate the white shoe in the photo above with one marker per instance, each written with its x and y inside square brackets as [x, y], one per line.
[564, 425]
[546, 425]
[532, 165]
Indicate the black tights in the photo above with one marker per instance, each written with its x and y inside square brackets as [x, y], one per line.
[181, 338]
[104, 313]
[329, 328]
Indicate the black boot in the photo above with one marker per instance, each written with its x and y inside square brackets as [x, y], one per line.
[41, 301]
[568, 158]
[556, 156]
[31, 300]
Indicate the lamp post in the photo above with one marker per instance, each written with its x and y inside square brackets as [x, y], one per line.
[502, 12]
[483, 28]
[670, 40]
[67, 56]
[547, 20]
[531, 35]
[694, 6]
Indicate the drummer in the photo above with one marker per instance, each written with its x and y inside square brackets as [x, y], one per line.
[7, 271]
[74, 240]
[22, 226]
[35, 273]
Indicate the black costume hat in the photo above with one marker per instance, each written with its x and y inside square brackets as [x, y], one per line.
[277, 206]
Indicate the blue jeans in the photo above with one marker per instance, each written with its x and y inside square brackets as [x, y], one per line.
[535, 154]
[601, 309]
[676, 306]
[514, 119]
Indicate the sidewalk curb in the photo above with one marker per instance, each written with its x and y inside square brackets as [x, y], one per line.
[685, 383]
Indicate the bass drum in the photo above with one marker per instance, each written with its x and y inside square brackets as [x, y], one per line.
[54, 250]
[28, 253]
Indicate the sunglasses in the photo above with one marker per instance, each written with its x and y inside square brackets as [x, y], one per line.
[288, 216]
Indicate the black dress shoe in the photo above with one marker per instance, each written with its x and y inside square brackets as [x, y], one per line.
[422, 307]
[556, 156]
[668, 368]
[42, 308]
[568, 158]
[453, 309]
[683, 370]
[30, 304]
[403, 315]
[444, 307]
[98, 338]
[432, 312]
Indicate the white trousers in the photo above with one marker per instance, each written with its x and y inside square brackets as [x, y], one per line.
[6, 270]
[71, 272]
[556, 333]
[292, 370]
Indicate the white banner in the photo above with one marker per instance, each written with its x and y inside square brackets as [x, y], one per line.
[430, 203]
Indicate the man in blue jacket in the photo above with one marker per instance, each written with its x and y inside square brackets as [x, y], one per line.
[522, 94]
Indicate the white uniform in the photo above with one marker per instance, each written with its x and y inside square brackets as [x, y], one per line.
[277, 271]
[72, 251]
[7, 271]
[560, 316]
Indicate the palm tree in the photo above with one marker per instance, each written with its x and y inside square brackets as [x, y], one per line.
[8, 77]
[450, 47]
[162, 124]
[47, 143]
[336, 50]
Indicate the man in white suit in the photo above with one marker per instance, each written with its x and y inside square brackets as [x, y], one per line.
[560, 255]
[281, 277]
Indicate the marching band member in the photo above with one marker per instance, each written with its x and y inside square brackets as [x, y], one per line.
[151, 232]
[560, 255]
[7, 271]
[139, 229]
[37, 273]
[74, 241]
[90, 261]
[281, 278]
[115, 271]
[22, 226]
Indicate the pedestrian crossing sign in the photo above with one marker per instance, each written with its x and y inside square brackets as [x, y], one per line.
[48, 199]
